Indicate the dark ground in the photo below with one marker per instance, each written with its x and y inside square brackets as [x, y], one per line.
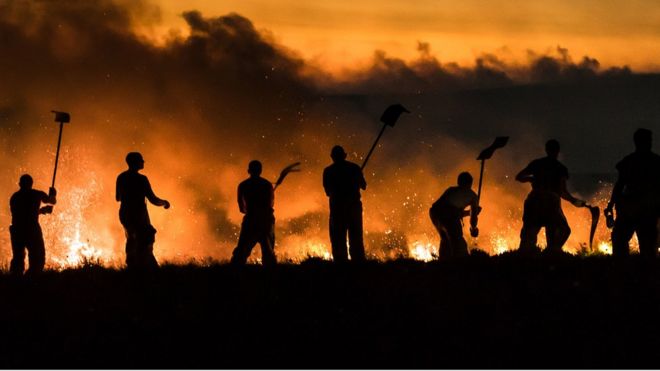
[484, 312]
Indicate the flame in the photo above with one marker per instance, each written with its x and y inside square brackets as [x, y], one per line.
[299, 248]
[500, 244]
[605, 247]
[84, 227]
[75, 235]
[424, 251]
[79, 252]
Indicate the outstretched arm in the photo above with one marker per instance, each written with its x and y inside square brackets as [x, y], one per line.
[566, 195]
[151, 196]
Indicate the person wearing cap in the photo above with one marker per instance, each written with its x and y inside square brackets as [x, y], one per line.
[25, 231]
[543, 204]
[447, 216]
[132, 190]
[342, 182]
[255, 200]
[636, 196]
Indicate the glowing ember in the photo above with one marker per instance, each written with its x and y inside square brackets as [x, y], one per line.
[79, 252]
[499, 245]
[74, 231]
[605, 247]
[422, 251]
[315, 250]
[299, 248]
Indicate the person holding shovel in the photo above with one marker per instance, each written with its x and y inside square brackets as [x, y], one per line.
[447, 216]
[132, 189]
[342, 182]
[25, 230]
[636, 196]
[543, 204]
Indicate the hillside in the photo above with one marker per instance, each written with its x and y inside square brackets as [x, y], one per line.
[483, 312]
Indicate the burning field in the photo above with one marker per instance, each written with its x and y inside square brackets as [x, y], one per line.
[200, 105]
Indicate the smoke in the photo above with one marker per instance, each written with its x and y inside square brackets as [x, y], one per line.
[200, 106]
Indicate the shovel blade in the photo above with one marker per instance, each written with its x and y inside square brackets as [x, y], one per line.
[488, 152]
[286, 171]
[62, 117]
[392, 113]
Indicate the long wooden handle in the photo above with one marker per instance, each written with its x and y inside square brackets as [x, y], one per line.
[481, 180]
[57, 154]
[373, 147]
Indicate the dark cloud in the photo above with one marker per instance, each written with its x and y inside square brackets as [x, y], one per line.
[426, 74]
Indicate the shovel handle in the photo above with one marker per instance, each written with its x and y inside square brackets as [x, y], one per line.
[481, 180]
[57, 154]
[373, 147]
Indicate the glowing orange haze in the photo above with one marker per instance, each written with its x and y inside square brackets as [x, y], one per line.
[196, 161]
[84, 225]
[338, 34]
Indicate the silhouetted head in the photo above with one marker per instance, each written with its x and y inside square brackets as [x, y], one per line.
[338, 154]
[254, 168]
[25, 182]
[552, 148]
[643, 140]
[135, 161]
[465, 179]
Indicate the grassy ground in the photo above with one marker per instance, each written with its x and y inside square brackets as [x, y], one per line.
[483, 312]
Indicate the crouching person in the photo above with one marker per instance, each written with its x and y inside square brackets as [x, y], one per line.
[447, 216]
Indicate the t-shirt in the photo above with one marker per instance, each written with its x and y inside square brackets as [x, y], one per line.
[25, 205]
[256, 196]
[342, 182]
[547, 173]
[457, 197]
[132, 189]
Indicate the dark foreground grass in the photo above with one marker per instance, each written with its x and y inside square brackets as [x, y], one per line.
[483, 312]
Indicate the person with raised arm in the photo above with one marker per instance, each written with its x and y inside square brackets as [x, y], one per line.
[25, 230]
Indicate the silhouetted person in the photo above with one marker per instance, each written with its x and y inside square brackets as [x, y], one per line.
[636, 196]
[447, 216]
[543, 204]
[132, 189]
[25, 230]
[255, 200]
[342, 182]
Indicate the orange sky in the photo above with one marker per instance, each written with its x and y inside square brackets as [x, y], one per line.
[338, 33]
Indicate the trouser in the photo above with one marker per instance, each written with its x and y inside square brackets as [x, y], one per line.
[346, 218]
[29, 238]
[140, 247]
[543, 209]
[256, 229]
[646, 228]
[452, 242]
